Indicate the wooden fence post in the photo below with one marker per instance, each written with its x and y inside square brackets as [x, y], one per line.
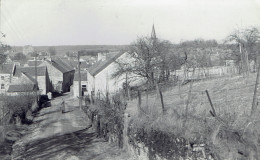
[139, 102]
[159, 94]
[161, 97]
[147, 106]
[125, 137]
[254, 104]
[213, 112]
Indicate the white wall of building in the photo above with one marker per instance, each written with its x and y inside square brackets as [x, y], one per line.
[76, 87]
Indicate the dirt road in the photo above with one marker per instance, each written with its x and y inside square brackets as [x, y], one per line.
[58, 136]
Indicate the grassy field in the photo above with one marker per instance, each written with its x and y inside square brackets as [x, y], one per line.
[228, 94]
[232, 98]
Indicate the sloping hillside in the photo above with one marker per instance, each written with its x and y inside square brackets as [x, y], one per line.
[230, 133]
[227, 94]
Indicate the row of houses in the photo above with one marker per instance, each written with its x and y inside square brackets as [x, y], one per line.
[57, 75]
[97, 80]
[52, 75]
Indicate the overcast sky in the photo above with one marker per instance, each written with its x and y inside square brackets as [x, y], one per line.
[97, 22]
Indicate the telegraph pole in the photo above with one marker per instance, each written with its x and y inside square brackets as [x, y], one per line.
[80, 92]
[35, 67]
[1, 19]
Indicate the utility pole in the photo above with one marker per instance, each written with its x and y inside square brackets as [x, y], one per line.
[35, 68]
[0, 20]
[254, 104]
[80, 92]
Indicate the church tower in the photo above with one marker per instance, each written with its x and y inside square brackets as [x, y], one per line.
[153, 34]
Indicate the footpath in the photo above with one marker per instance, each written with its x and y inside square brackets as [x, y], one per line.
[63, 136]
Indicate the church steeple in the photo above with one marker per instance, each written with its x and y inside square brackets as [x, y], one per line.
[153, 35]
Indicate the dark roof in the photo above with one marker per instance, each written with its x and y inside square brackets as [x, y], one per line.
[6, 68]
[83, 74]
[21, 88]
[102, 64]
[41, 71]
[32, 63]
[29, 77]
[71, 63]
[61, 65]
[84, 65]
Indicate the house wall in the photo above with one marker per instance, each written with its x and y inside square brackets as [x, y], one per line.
[43, 82]
[103, 81]
[76, 87]
[6, 81]
[55, 75]
[91, 84]
[67, 81]
[48, 82]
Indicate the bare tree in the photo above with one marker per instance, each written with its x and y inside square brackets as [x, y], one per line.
[19, 56]
[2, 58]
[150, 59]
[247, 40]
[3, 49]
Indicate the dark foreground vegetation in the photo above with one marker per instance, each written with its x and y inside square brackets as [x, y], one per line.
[17, 113]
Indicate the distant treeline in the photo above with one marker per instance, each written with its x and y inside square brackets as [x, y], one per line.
[62, 50]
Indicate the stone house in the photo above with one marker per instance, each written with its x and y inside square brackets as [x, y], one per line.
[6, 73]
[84, 84]
[43, 79]
[24, 85]
[100, 80]
[60, 73]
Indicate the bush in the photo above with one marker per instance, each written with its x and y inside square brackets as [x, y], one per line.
[110, 117]
[16, 106]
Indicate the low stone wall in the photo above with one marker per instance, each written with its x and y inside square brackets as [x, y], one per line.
[154, 145]
[157, 145]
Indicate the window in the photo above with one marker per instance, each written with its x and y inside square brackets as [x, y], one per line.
[2, 77]
[84, 88]
[2, 86]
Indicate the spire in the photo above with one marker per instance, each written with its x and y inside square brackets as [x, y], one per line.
[153, 35]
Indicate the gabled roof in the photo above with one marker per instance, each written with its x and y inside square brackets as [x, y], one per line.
[102, 64]
[29, 77]
[22, 88]
[83, 74]
[32, 63]
[41, 71]
[61, 65]
[6, 68]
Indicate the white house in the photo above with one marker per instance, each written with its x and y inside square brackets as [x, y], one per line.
[84, 83]
[6, 74]
[99, 75]
[43, 79]
[60, 73]
[26, 84]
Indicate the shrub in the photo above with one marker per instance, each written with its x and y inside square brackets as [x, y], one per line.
[16, 106]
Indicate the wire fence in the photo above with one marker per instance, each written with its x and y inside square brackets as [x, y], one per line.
[235, 96]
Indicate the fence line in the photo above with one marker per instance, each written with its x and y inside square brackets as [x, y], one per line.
[201, 73]
[212, 91]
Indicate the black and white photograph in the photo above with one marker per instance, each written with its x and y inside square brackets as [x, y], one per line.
[129, 79]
